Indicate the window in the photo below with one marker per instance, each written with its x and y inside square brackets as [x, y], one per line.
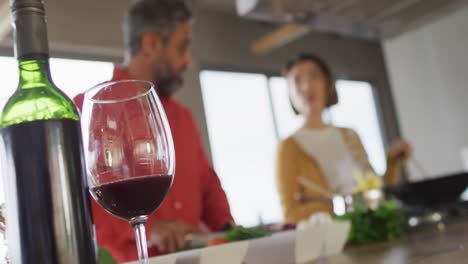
[248, 113]
[242, 137]
[72, 76]
[357, 110]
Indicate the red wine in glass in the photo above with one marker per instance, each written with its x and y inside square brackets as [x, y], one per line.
[129, 152]
[133, 197]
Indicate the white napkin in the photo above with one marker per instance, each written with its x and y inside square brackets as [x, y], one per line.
[320, 218]
[320, 235]
[232, 253]
[337, 235]
[309, 243]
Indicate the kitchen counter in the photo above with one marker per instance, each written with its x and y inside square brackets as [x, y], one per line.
[426, 244]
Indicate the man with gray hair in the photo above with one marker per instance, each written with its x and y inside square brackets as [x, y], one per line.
[157, 35]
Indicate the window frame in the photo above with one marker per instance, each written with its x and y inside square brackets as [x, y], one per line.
[269, 103]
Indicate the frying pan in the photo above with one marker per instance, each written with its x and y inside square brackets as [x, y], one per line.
[431, 193]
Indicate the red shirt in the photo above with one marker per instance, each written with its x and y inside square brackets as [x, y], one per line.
[196, 195]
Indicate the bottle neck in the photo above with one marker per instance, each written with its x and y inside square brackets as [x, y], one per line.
[34, 73]
[30, 29]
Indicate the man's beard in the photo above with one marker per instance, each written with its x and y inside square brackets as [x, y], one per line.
[168, 86]
[167, 81]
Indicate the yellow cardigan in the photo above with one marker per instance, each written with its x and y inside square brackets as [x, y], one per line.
[292, 163]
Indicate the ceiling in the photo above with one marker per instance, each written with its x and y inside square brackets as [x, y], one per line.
[391, 17]
[219, 5]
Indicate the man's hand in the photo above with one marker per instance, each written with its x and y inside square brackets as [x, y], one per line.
[169, 235]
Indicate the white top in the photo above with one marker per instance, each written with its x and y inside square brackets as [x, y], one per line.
[328, 147]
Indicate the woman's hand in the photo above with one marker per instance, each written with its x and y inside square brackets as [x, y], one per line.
[400, 149]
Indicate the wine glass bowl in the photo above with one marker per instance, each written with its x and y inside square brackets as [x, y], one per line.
[129, 151]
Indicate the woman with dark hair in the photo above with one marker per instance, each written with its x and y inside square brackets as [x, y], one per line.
[324, 154]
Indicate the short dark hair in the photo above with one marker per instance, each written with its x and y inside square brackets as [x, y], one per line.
[160, 16]
[308, 57]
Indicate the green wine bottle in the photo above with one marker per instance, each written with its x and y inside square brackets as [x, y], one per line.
[47, 202]
[37, 98]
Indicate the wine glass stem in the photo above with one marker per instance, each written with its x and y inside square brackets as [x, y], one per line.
[140, 237]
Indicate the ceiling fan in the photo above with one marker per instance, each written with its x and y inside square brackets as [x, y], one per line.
[295, 18]
[365, 19]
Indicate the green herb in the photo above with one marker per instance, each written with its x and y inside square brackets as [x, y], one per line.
[384, 223]
[239, 233]
[105, 257]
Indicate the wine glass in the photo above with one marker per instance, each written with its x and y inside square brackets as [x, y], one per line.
[129, 152]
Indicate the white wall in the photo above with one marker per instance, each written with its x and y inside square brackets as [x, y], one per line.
[428, 71]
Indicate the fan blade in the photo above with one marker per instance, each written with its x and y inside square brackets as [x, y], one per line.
[278, 38]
